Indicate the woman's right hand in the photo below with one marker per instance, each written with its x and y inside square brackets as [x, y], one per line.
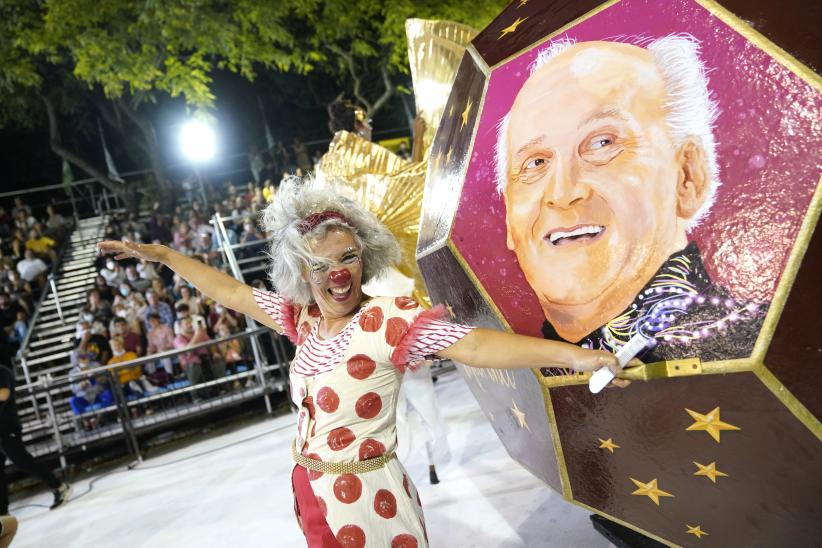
[126, 250]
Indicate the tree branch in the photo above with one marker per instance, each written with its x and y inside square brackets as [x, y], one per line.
[348, 57]
[386, 95]
[72, 157]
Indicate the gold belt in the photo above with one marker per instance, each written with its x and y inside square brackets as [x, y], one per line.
[337, 468]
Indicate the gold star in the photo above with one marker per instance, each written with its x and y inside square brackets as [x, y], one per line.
[650, 490]
[513, 27]
[608, 444]
[709, 471]
[695, 531]
[710, 423]
[520, 416]
[522, 3]
[466, 112]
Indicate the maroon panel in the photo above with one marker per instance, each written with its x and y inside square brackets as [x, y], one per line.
[496, 391]
[795, 353]
[769, 498]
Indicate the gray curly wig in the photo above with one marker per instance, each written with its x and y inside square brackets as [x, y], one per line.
[290, 251]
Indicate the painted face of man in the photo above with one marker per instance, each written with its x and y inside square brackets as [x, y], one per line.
[592, 197]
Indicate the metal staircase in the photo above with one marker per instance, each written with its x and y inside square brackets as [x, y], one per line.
[47, 348]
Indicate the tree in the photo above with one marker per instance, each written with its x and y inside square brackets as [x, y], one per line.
[363, 43]
[128, 55]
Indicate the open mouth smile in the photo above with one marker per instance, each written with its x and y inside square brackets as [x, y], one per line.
[576, 234]
[340, 293]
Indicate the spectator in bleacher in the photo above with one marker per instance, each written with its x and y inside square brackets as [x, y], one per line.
[17, 244]
[5, 222]
[97, 306]
[134, 279]
[112, 230]
[21, 289]
[88, 389]
[20, 328]
[207, 249]
[230, 351]
[106, 293]
[182, 238]
[19, 205]
[8, 312]
[158, 230]
[182, 311]
[113, 272]
[250, 233]
[55, 223]
[131, 378]
[32, 268]
[156, 306]
[24, 221]
[147, 271]
[11, 446]
[197, 364]
[88, 342]
[192, 299]
[43, 246]
[160, 338]
[219, 315]
[161, 291]
[132, 341]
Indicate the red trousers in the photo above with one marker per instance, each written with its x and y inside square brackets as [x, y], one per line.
[311, 517]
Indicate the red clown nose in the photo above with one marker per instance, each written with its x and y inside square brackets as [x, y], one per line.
[340, 277]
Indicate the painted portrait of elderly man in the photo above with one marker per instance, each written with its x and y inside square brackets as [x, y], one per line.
[605, 162]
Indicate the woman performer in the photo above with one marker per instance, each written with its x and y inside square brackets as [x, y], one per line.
[351, 353]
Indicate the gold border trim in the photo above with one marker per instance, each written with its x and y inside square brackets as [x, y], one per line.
[783, 289]
[480, 63]
[478, 286]
[626, 524]
[796, 407]
[564, 478]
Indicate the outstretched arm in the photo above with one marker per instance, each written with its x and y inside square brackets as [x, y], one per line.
[491, 348]
[217, 285]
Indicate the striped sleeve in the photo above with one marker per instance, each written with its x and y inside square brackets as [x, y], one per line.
[280, 310]
[427, 334]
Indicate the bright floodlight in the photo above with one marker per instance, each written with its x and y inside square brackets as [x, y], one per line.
[198, 141]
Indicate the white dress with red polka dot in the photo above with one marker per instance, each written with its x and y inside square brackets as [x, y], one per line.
[346, 388]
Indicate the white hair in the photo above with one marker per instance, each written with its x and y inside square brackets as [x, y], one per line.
[290, 251]
[691, 109]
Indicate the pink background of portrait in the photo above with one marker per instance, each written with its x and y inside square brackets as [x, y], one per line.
[769, 135]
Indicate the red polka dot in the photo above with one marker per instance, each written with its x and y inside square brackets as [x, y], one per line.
[360, 366]
[385, 504]
[368, 405]
[370, 449]
[347, 488]
[351, 536]
[405, 485]
[404, 541]
[395, 331]
[340, 438]
[305, 330]
[312, 474]
[371, 319]
[405, 303]
[327, 399]
[308, 403]
[322, 505]
[314, 311]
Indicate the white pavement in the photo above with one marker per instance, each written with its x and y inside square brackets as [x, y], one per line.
[233, 490]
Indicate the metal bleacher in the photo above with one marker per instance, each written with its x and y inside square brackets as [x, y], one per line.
[46, 351]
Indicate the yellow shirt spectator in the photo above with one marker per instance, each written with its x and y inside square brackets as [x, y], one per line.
[41, 245]
[127, 374]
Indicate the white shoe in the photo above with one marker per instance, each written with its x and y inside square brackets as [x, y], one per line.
[135, 387]
[147, 386]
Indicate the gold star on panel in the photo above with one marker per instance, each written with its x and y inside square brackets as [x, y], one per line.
[520, 416]
[512, 27]
[466, 112]
[695, 531]
[710, 423]
[709, 471]
[522, 3]
[650, 490]
[607, 444]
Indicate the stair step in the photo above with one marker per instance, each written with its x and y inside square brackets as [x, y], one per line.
[51, 340]
[50, 349]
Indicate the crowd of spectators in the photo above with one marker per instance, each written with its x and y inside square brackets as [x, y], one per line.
[138, 308]
[28, 249]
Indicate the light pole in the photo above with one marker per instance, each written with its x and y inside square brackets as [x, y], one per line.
[199, 144]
